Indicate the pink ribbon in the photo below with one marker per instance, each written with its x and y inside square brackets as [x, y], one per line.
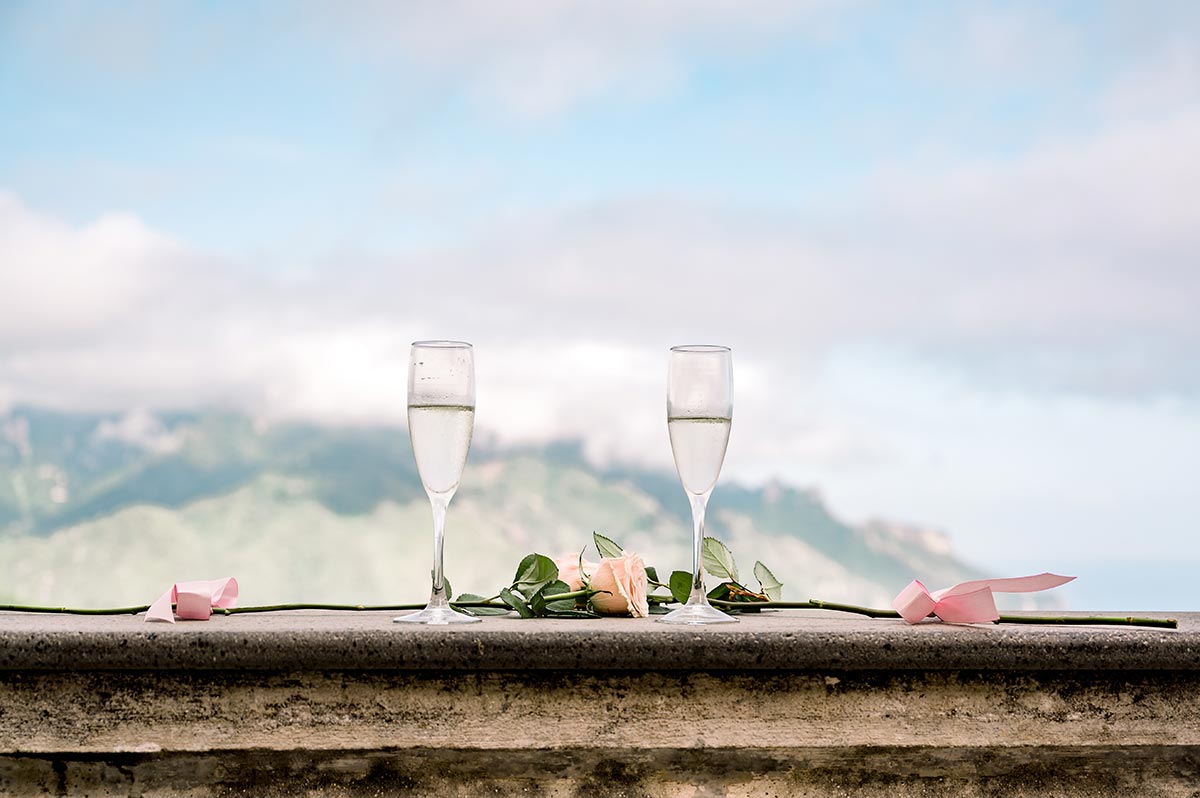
[194, 601]
[967, 602]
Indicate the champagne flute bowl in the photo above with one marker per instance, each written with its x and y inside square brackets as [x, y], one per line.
[699, 417]
[441, 419]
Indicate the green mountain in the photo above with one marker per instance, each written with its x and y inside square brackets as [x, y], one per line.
[111, 509]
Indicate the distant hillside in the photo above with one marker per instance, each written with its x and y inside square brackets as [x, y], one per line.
[108, 509]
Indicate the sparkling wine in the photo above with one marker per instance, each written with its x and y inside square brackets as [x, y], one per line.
[699, 448]
[699, 413]
[441, 436]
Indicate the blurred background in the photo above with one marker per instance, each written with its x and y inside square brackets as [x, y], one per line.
[953, 246]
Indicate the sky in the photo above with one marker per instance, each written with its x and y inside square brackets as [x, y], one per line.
[955, 247]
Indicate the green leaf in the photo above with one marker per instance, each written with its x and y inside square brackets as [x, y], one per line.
[605, 546]
[720, 592]
[570, 614]
[516, 602]
[533, 574]
[535, 568]
[467, 598]
[554, 589]
[483, 610]
[523, 567]
[733, 591]
[584, 576]
[449, 590]
[681, 586]
[539, 604]
[652, 574]
[771, 586]
[718, 560]
[658, 609]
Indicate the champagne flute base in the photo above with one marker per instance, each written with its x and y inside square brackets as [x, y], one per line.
[696, 614]
[436, 616]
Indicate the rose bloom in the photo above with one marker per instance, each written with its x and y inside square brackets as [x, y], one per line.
[568, 570]
[624, 578]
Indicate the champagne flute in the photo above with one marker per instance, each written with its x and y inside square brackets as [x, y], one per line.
[441, 418]
[699, 415]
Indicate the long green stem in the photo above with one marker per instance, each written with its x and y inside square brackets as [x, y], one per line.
[870, 612]
[278, 607]
[811, 604]
[74, 611]
[342, 607]
[575, 594]
[1083, 620]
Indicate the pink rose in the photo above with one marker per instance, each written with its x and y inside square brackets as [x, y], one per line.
[568, 571]
[624, 578]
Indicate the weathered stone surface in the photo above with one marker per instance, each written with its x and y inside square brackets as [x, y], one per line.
[1061, 772]
[770, 641]
[807, 704]
[96, 712]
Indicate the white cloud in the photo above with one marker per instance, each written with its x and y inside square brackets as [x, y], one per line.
[1166, 83]
[1024, 482]
[139, 427]
[1068, 269]
[990, 44]
[1122, 190]
[992, 347]
[62, 283]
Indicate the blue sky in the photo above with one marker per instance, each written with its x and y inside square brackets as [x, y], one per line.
[953, 245]
[193, 115]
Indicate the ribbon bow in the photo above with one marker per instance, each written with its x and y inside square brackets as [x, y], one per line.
[194, 600]
[967, 602]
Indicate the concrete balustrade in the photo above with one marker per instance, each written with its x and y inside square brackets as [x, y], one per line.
[786, 703]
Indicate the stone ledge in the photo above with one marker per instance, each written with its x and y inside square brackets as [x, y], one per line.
[1058, 772]
[140, 712]
[780, 641]
[796, 703]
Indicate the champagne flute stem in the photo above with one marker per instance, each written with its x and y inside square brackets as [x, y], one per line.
[699, 503]
[440, 502]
